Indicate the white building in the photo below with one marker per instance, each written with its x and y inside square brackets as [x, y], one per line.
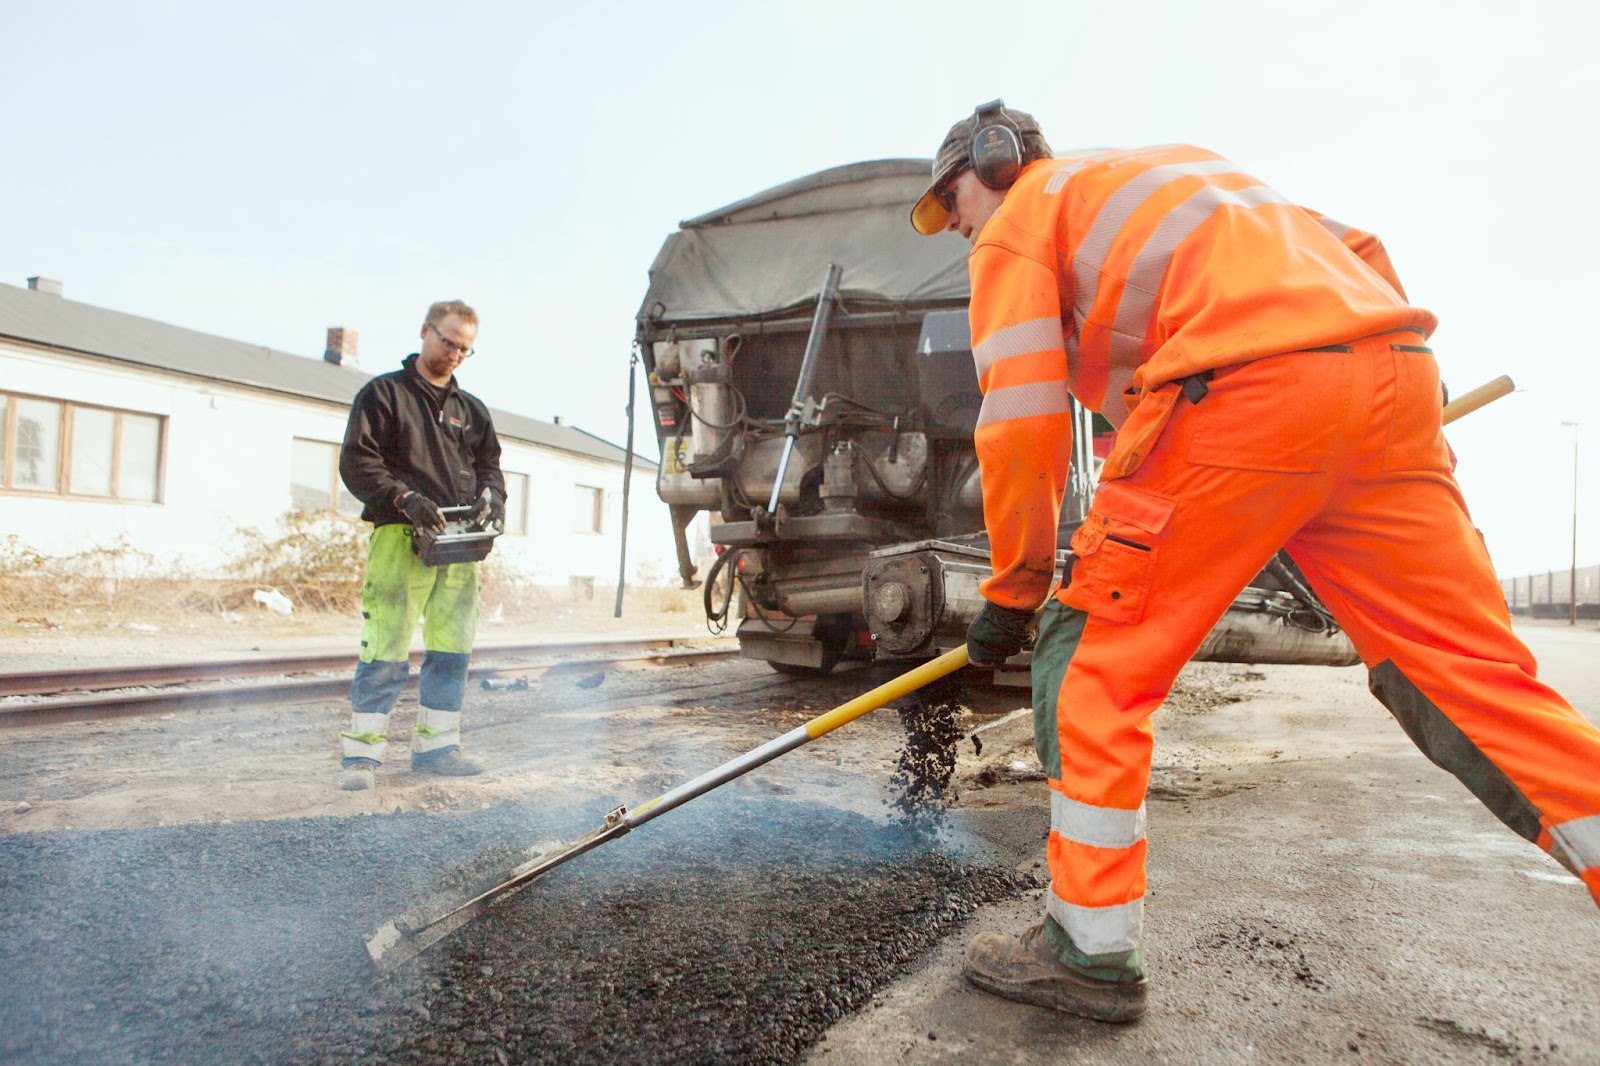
[119, 427]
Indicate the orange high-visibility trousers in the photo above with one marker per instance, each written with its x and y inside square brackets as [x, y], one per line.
[1339, 455]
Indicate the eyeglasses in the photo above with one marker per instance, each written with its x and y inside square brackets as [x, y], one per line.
[450, 345]
[946, 192]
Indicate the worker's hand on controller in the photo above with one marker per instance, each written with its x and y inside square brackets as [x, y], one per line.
[490, 510]
[423, 512]
[997, 634]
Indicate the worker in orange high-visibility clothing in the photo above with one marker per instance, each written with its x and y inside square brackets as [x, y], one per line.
[1270, 385]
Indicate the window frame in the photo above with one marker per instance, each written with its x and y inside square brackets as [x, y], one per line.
[527, 485]
[598, 526]
[336, 485]
[62, 480]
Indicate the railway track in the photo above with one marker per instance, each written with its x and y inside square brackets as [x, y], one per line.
[53, 696]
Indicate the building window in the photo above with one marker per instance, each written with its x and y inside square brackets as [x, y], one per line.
[37, 458]
[516, 503]
[590, 506]
[314, 482]
[73, 449]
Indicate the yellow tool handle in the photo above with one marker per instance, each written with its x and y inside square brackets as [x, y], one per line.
[910, 681]
[1469, 402]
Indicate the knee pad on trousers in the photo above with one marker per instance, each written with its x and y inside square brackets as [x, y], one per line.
[377, 685]
[444, 679]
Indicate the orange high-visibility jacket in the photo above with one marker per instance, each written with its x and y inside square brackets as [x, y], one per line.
[1124, 270]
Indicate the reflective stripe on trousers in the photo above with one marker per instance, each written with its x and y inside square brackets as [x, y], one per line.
[436, 730]
[1578, 845]
[1089, 841]
[367, 737]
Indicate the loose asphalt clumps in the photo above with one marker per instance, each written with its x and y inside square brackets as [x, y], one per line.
[931, 718]
[735, 930]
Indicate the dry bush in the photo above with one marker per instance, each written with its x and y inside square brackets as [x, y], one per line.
[115, 580]
[25, 589]
[318, 559]
[17, 559]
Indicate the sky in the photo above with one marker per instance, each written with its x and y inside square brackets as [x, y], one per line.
[266, 171]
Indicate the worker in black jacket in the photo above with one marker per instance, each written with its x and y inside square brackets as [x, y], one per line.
[416, 443]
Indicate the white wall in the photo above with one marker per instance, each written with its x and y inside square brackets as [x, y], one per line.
[555, 549]
[227, 465]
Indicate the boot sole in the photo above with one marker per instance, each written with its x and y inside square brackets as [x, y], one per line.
[1098, 1004]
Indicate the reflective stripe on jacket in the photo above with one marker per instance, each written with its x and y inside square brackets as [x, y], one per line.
[1119, 271]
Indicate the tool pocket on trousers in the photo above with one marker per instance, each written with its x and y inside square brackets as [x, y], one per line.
[1416, 435]
[1277, 414]
[1116, 550]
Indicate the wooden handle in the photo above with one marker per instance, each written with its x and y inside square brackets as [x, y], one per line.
[1469, 402]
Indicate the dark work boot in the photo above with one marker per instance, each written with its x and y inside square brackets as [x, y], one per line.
[447, 763]
[1026, 969]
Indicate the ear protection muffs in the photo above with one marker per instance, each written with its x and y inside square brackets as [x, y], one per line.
[996, 148]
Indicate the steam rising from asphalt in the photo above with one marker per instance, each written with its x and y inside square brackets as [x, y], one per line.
[735, 930]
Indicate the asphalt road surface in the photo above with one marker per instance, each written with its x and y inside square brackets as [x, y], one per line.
[192, 887]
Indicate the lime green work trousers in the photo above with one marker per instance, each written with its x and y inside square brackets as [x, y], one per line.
[398, 590]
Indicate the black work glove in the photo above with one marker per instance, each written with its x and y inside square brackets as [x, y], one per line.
[997, 634]
[490, 510]
[423, 512]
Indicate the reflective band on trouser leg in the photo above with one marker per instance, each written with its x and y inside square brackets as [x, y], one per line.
[1395, 557]
[436, 730]
[1103, 933]
[1580, 840]
[366, 739]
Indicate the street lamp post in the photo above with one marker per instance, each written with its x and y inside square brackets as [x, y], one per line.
[1572, 575]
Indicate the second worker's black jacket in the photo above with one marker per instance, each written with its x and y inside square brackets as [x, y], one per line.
[402, 437]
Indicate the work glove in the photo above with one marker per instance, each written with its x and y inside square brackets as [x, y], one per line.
[422, 512]
[490, 510]
[997, 634]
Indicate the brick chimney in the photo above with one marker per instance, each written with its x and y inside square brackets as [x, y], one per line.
[341, 349]
[49, 286]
